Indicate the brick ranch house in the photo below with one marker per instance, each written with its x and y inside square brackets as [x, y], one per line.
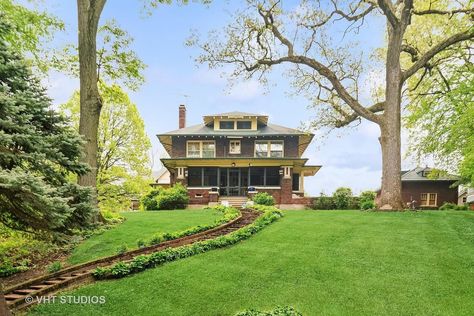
[231, 156]
[424, 192]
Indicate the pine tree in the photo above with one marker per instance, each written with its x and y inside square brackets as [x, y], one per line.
[39, 151]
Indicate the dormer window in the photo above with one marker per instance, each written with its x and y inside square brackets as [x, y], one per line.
[226, 124]
[244, 124]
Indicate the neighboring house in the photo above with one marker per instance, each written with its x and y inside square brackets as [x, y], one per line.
[464, 193]
[161, 178]
[231, 156]
[424, 192]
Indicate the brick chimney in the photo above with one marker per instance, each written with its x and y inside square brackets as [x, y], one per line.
[182, 116]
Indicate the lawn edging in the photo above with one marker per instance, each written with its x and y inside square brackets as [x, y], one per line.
[143, 262]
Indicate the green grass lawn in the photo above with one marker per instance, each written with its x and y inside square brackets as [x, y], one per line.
[139, 225]
[320, 262]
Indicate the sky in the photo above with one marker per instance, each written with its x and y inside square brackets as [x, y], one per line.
[350, 158]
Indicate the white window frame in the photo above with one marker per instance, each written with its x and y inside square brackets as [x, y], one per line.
[200, 148]
[239, 147]
[269, 148]
[428, 199]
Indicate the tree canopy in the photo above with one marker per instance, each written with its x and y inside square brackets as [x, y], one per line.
[123, 148]
[38, 150]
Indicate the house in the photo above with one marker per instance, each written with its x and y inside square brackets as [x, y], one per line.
[161, 178]
[464, 193]
[425, 192]
[232, 156]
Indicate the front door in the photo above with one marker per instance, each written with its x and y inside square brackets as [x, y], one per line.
[233, 188]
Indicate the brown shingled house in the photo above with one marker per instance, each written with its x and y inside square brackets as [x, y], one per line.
[425, 192]
[231, 156]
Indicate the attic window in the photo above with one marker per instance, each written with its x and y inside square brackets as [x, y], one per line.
[244, 124]
[226, 125]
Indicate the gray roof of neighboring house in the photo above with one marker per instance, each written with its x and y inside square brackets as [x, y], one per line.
[420, 174]
[204, 130]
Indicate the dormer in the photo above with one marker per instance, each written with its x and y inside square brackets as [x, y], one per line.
[235, 121]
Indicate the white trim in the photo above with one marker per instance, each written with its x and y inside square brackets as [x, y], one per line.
[235, 152]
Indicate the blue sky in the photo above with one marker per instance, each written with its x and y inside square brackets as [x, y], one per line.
[349, 158]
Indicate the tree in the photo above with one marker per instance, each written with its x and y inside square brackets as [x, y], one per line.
[37, 152]
[266, 35]
[123, 146]
[30, 30]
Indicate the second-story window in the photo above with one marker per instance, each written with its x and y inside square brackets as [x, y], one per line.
[234, 147]
[226, 125]
[201, 149]
[244, 124]
[270, 148]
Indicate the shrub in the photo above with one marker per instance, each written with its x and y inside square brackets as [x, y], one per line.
[141, 243]
[263, 198]
[342, 198]
[367, 200]
[323, 202]
[367, 205]
[172, 198]
[54, 267]
[452, 206]
[149, 202]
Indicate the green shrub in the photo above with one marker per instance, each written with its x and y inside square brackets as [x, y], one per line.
[172, 198]
[367, 205]
[149, 202]
[323, 202]
[452, 206]
[263, 198]
[279, 311]
[342, 198]
[141, 243]
[367, 200]
[143, 262]
[54, 267]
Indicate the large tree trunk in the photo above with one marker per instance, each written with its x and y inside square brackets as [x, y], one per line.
[88, 19]
[390, 128]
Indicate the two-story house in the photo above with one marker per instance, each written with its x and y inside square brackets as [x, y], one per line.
[231, 156]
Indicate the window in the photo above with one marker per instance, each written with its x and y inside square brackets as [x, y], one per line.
[428, 199]
[261, 149]
[194, 150]
[208, 149]
[201, 149]
[202, 177]
[226, 125]
[296, 182]
[210, 177]
[244, 124]
[273, 176]
[464, 199]
[257, 176]
[234, 147]
[269, 176]
[195, 177]
[271, 148]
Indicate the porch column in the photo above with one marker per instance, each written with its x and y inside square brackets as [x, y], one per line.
[286, 185]
[182, 176]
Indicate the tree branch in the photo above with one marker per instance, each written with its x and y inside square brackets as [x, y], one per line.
[423, 60]
[443, 12]
[387, 8]
[376, 108]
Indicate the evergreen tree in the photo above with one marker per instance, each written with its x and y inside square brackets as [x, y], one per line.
[38, 151]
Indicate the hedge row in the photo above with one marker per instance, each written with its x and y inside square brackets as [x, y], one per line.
[229, 214]
[143, 262]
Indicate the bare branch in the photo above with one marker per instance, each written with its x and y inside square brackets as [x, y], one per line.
[443, 12]
[376, 108]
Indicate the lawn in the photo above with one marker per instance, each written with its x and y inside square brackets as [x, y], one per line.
[139, 225]
[320, 262]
